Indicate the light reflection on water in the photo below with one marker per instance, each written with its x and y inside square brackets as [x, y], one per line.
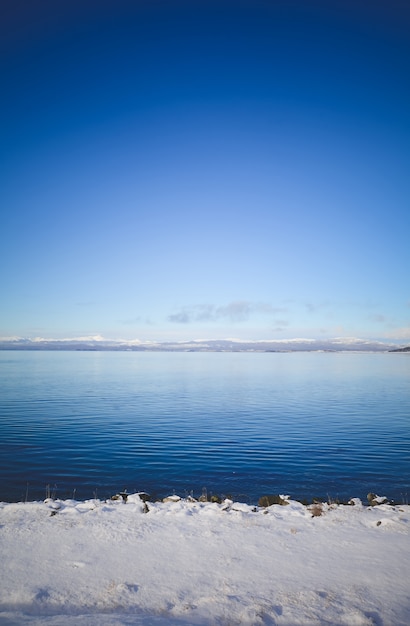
[240, 424]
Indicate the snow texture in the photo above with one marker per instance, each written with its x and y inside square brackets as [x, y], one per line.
[184, 563]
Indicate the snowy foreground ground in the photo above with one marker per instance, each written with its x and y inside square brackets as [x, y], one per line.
[189, 563]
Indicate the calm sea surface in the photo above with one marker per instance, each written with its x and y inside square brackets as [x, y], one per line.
[241, 424]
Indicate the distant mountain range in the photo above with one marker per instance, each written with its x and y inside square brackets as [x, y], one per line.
[338, 344]
[406, 349]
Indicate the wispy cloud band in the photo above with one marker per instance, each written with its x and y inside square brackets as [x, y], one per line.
[237, 311]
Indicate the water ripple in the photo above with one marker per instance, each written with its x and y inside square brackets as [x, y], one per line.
[307, 424]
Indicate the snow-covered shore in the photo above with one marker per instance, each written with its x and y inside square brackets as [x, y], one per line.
[191, 563]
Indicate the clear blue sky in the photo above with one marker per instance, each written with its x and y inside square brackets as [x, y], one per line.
[205, 169]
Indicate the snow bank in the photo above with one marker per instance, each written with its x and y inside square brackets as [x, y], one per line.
[191, 563]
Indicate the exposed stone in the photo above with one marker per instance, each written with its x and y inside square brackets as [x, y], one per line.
[272, 499]
[145, 497]
[316, 509]
[204, 497]
[375, 500]
[354, 502]
[173, 498]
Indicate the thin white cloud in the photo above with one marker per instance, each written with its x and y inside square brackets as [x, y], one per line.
[236, 311]
[399, 333]
[378, 318]
[313, 307]
[182, 317]
[132, 321]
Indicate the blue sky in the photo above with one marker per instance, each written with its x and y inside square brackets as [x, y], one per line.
[181, 170]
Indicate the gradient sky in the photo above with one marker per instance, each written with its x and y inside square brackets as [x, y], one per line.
[205, 169]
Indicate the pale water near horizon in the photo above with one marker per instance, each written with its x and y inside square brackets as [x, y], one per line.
[89, 424]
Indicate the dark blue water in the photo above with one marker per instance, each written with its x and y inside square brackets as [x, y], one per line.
[244, 424]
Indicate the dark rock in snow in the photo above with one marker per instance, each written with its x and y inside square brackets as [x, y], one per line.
[272, 499]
